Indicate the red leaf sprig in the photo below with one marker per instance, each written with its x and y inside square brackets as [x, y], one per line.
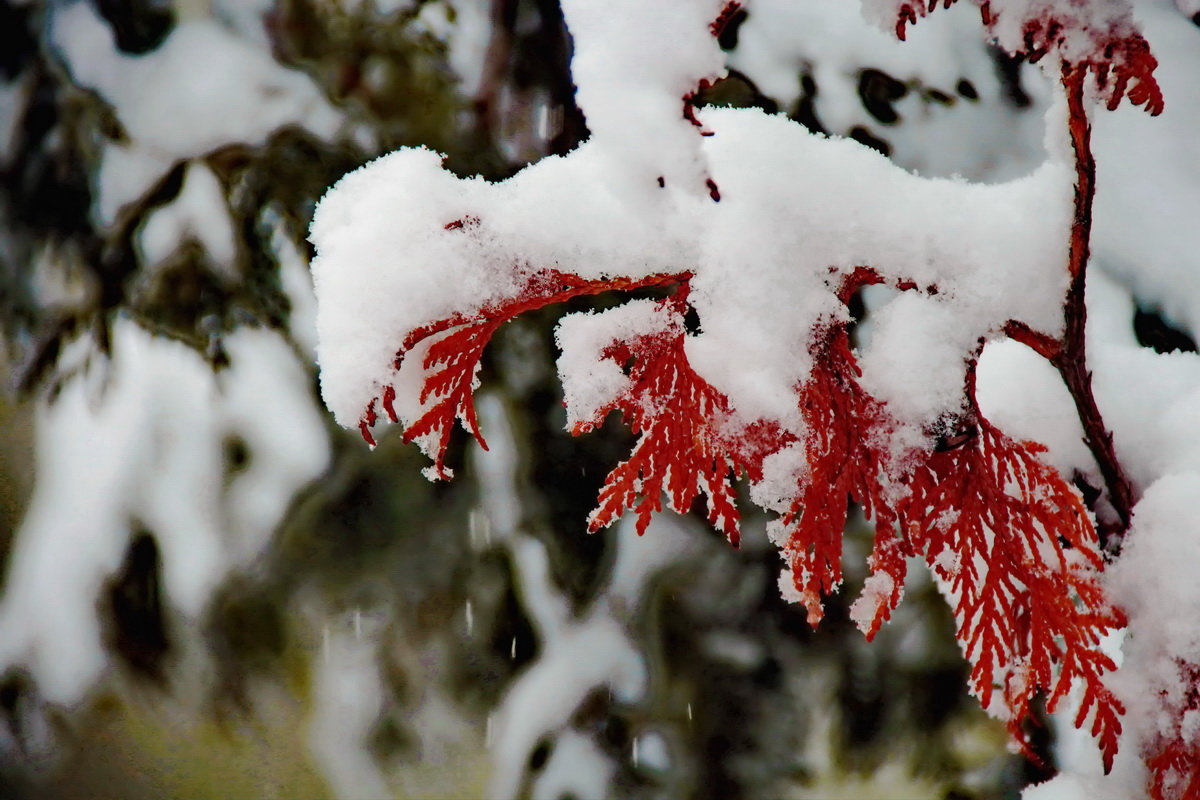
[451, 362]
[844, 427]
[1009, 540]
[1171, 756]
[689, 441]
[1111, 49]
[1015, 550]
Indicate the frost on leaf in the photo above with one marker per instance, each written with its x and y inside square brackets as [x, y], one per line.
[1015, 551]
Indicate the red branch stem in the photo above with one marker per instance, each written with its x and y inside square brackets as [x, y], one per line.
[1070, 358]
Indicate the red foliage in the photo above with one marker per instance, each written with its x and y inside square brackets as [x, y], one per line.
[1174, 767]
[1113, 51]
[845, 463]
[689, 441]
[1013, 546]
[728, 12]
[1009, 540]
[1006, 537]
[451, 363]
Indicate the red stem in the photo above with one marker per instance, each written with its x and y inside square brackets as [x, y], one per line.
[1070, 357]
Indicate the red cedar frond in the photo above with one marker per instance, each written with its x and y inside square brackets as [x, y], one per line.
[844, 427]
[1113, 51]
[1174, 772]
[728, 12]
[451, 364]
[912, 10]
[1173, 760]
[684, 449]
[1120, 61]
[1017, 553]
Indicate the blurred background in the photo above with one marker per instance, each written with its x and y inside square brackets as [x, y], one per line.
[208, 590]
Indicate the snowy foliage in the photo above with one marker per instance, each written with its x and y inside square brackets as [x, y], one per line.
[752, 236]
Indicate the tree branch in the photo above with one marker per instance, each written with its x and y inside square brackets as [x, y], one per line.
[1070, 359]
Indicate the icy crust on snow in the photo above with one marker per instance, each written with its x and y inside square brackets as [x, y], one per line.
[402, 243]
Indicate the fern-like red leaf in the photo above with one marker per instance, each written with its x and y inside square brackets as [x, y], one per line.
[1014, 548]
[844, 426]
[452, 360]
[686, 447]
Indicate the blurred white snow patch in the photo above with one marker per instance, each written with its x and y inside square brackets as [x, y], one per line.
[782, 40]
[496, 469]
[348, 694]
[668, 539]
[288, 446]
[577, 768]
[139, 441]
[580, 654]
[170, 109]
[246, 17]
[466, 28]
[653, 752]
[198, 212]
[296, 281]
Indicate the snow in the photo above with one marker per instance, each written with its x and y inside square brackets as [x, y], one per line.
[160, 417]
[381, 234]
[1148, 179]
[797, 211]
[348, 691]
[191, 216]
[165, 104]
[579, 653]
[402, 244]
[591, 382]
[828, 41]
